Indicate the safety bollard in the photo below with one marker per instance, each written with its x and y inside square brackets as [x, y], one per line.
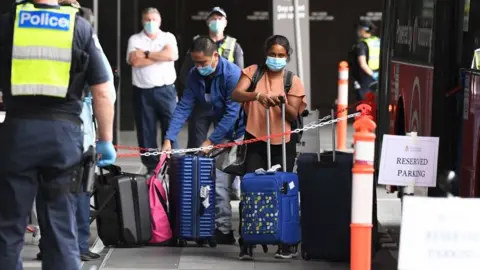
[342, 105]
[362, 190]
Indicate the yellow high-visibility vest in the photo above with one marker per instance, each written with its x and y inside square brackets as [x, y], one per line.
[476, 59]
[373, 44]
[42, 50]
[227, 49]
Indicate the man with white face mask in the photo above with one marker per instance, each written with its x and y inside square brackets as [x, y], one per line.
[228, 48]
[152, 54]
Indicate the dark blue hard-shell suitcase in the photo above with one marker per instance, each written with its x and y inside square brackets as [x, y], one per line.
[270, 204]
[326, 196]
[192, 199]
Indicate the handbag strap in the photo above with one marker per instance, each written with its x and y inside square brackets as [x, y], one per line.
[237, 123]
[161, 163]
[162, 199]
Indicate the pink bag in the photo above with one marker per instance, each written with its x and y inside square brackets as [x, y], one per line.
[161, 230]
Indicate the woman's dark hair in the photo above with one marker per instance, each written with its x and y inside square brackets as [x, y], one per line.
[278, 40]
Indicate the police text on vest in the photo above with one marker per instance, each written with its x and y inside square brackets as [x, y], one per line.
[44, 19]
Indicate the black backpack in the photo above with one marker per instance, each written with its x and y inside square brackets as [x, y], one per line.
[287, 83]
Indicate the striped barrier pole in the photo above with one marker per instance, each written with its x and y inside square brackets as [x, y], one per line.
[342, 105]
[362, 190]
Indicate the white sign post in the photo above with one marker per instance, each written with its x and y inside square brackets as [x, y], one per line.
[440, 234]
[409, 161]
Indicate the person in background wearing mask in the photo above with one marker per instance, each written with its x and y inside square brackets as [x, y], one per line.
[83, 206]
[266, 95]
[152, 54]
[210, 85]
[364, 59]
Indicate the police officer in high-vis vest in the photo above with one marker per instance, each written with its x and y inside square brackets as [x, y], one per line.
[365, 63]
[48, 54]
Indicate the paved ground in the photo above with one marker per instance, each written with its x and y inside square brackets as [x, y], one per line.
[225, 257]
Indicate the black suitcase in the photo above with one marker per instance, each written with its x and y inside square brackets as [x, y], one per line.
[123, 209]
[325, 182]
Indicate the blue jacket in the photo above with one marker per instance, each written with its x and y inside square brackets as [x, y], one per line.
[225, 111]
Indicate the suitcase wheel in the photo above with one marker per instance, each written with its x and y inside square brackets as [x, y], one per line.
[305, 254]
[212, 243]
[182, 243]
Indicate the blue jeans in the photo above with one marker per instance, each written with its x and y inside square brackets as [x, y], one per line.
[36, 159]
[150, 107]
[198, 125]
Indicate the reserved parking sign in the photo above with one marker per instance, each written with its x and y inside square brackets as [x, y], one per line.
[440, 234]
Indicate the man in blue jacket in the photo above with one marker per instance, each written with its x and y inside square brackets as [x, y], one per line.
[210, 85]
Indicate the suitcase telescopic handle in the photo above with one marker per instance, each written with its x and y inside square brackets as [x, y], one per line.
[284, 139]
[269, 140]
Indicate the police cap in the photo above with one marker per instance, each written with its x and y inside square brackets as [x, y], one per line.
[367, 25]
[217, 10]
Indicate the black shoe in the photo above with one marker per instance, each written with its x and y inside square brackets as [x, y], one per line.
[89, 256]
[284, 252]
[224, 239]
[39, 256]
[246, 253]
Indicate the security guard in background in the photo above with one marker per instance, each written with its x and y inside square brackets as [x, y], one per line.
[364, 59]
[48, 54]
[229, 49]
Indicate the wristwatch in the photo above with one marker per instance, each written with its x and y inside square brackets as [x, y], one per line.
[147, 53]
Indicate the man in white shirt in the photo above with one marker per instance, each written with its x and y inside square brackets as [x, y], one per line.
[152, 54]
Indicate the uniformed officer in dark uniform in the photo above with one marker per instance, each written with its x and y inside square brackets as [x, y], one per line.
[364, 59]
[47, 55]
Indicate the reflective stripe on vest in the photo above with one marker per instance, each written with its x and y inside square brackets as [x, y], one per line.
[228, 48]
[42, 50]
[373, 44]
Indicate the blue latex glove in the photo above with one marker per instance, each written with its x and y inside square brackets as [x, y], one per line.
[107, 153]
[375, 76]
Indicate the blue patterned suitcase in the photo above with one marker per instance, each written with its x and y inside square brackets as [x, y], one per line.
[270, 210]
[192, 199]
[270, 213]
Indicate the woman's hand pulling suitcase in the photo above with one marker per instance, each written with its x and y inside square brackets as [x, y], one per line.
[267, 101]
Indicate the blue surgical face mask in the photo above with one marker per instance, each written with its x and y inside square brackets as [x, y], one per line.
[216, 26]
[206, 70]
[151, 27]
[276, 64]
